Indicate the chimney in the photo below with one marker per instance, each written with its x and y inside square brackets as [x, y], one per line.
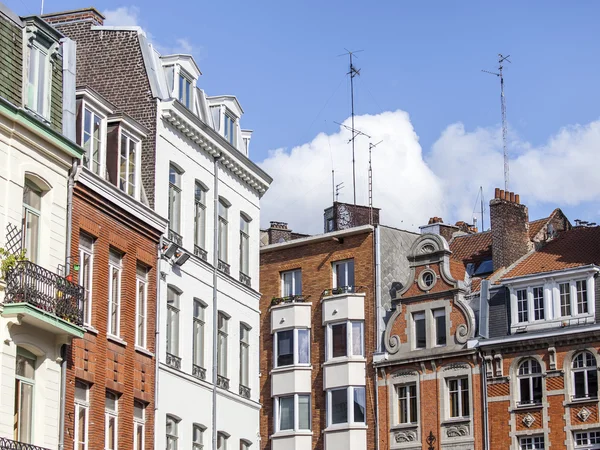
[76, 15]
[279, 232]
[510, 228]
[436, 225]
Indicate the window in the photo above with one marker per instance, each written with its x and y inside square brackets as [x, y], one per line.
[197, 437]
[291, 283]
[32, 204]
[86, 273]
[185, 91]
[582, 303]
[292, 413]
[223, 207]
[346, 405]
[565, 299]
[458, 390]
[174, 199]
[343, 275]
[538, 303]
[244, 355]
[200, 215]
[244, 444]
[522, 307]
[92, 140]
[532, 443]
[114, 292]
[24, 390]
[244, 245]
[439, 318]
[38, 80]
[198, 344]
[172, 433]
[172, 321]
[128, 170]
[345, 339]
[530, 382]
[588, 440]
[222, 441]
[407, 403]
[428, 279]
[222, 345]
[292, 347]
[420, 330]
[82, 407]
[585, 376]
[141, 303]
[229, 129]
[111, 420]
[139, 420]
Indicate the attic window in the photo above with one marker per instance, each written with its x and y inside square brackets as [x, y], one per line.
[185, 90]
[229, 129]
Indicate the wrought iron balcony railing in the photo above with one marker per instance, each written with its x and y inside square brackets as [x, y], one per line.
[222, 382]
[201, 253]
[29, 283]
[342, 290]
[245, 279]
[244, 391]
[199, 372]
[299, 298]
[223, 267]
[9, 444]
[175, 237]
[174, 361]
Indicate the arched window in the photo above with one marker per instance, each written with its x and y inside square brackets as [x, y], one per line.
[585, 376]
[530, 382]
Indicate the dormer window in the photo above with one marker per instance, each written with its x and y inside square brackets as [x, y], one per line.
[39, 75]
[229, 129]
[128, 171]
[185, 90]
[92, 140]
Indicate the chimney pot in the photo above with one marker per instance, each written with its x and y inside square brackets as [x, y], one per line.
[501, 194]
[512, 197]
[517, 199]
[497, 193]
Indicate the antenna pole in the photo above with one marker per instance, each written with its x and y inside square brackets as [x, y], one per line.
[371, 147]
[504, 125]
[333, 185]
[42, 10]
[481, 195]
[353, 135]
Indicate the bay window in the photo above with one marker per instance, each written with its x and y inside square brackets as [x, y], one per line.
[346, 406]
[292, 347]
[458, 394]
[407, 403]
[93, 139]
[291, 283]
[128, 165]
[345, 339]
[292, 413]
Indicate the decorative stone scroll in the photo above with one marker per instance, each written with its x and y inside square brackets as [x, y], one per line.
[405, 436]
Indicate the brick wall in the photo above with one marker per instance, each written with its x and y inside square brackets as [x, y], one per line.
[102, 363]
[11, 61]
[315, 261]
[510, 229]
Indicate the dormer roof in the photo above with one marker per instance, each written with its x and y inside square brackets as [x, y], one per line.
[185, 61]
[230, 101]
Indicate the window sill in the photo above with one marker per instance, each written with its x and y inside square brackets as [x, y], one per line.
[455, 420]
[291, 433]
[116, 340]
[577, 401]
[345, 426]
[284, 369]
[528, 406]
[344, 360]
[90, 329]
[404, 426]
[144, 351]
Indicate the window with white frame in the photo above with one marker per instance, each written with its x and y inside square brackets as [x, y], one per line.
[222, 440]
[185, 90]
[222, 323]
[141, 305]
[565, 299]
[223, 210]
[585, 376]
[458, 395]
[114, 292]
[198, 436]
[172, 433]
[244, 244]
[198, 333]
[588, 440]
[292, 413]
[292, 347]
[39, 79]
[92, 139]
[573, 290]
[407, 403]
[174, 199]
[244, 444]
[86, 274]
[343, 275]
[291, 283]
[82, 411]
[229, 129]
[139, 424]
[522, 306]
[345, 339]
[346, 406]
[420, 329]
[530, 382]
[128, 164]
[244, 355]
[581, 292]
[200, 215]
[531, 443]
[32, 205]
[537, 294]
[25, 363]
[172, 321]
[111, 420]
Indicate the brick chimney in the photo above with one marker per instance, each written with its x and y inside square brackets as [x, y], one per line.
[510, 228]
[76, 15]
[436, 225]
[279, 232]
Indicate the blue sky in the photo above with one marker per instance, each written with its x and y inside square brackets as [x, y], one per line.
[425, 58]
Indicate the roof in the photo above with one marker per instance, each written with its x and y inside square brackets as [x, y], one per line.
[573, 248]
[536, 226]
[472, 248]
[457, 269]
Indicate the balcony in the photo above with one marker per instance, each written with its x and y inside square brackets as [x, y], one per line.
[224, 267]
[174, 361]
[200, 253]
[222, 382]
[198, 372]
[244, 391]
[175, 237]
[9, 444]
[41, 298]
[245, 279]
[289, 299]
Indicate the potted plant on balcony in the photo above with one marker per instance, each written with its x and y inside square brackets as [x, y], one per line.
[10, 260]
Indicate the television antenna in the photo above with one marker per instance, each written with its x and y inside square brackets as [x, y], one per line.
[338, 188]
[501, 59]
[371, 147]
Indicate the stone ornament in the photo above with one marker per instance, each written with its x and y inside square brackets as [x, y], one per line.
[457, 431]
[528, 420]
[405, 436]
[584, 414]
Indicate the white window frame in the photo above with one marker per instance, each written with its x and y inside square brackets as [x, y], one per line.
[112, 301]
[460, 379]
[125, 185]
[344, 264]
[21, 380]
[139, 422]
[173, 311]
[223, 336]
[141, 306]
[232, 139]
[88, 283]
[172, 438]
[532, 442]
[296, 413]
[182, 78]
[200, 192]
[414, 317]
[539, 310]
[175, 195]
[349, 340]
[85, 106]
[222, 438]
[32, 103]
[436, 313]
[245, 244]
[295, 345]
[591, 437]
[408, 398]
[32, 254]
[108, 415]
[85, 406]
[198, 332]
[198, 436]
[529, 364]
[296, 275]
[245, 348]
[223, 230]
[350, 406]
[584, 369]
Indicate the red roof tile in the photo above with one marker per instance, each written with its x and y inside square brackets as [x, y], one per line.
[536, 226]
[472, 248]
[573, 248]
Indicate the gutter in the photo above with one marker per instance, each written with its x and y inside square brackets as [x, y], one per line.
[486, 431]
[157, 334]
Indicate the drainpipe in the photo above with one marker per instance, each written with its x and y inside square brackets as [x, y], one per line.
[70, 186]
[377, 298]
[157, 336]
[215, 310]
[483, 376]
[63, 396]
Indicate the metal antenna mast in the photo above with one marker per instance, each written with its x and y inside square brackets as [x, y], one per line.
[481, 195]
[338, 188]
[501, 59]
[371, 147]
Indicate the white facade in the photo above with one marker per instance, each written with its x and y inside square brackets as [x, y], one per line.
[187, 145]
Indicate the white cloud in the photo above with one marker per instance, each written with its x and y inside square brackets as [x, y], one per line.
[123, 16]
[410, 188]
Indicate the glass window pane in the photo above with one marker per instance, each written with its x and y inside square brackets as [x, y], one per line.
[440, 327]
[339, 340]
[359, 404]
[285, 348]
[303, 347]
[420, 331]
[579, 382]
[286, 413]
[339, 406]
[304, 412]
[357, 338]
